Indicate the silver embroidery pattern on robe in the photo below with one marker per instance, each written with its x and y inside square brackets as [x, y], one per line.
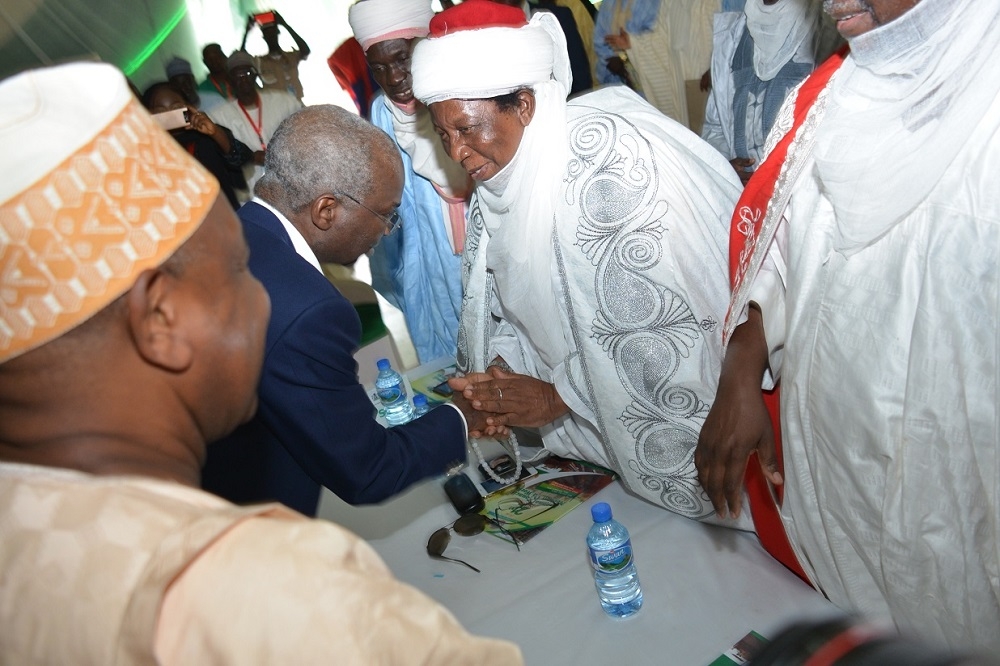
[645, 328]
[474, 232]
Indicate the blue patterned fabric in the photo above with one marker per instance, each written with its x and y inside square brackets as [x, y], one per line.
[756, 102]
[644, 13]
[415, 269]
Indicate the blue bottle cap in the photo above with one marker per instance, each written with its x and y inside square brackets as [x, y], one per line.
[383, 364]
[601, 512]
[419, 399]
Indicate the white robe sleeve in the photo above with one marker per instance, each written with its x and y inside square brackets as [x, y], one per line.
[718, 127]
[711, 130]
[768, 292]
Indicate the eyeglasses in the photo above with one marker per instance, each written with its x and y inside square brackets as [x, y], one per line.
[470, 524]
[391, 222]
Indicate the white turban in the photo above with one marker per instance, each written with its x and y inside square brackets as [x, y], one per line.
[375, 21]
[454, 66]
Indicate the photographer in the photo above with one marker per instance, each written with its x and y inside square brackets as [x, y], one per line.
[279, 70]
[211, 144]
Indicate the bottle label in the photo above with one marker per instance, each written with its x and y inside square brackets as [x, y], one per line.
[389, 394]
[615, 559]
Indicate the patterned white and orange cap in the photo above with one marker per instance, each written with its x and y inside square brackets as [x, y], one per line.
[92, 192]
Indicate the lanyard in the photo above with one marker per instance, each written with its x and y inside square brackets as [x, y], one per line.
[256, 127]
[225, 93]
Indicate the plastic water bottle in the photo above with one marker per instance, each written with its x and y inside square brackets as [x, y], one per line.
[392, 394]
[614, 565]
[420, 406]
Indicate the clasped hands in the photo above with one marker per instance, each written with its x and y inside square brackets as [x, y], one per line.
[496, 400]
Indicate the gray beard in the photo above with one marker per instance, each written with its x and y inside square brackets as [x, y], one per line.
[865, 4]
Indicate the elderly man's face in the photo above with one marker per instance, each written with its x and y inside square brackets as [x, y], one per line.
[856, 17]
[360, 224]
[478, 135]
[390, 64]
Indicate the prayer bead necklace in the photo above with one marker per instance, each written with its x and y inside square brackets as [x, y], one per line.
[489, 470]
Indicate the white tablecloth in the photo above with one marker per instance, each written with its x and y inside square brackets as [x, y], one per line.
[705, 587]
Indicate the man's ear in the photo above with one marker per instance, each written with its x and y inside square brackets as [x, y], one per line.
[323, 211]
[155, 309]
[525, 106]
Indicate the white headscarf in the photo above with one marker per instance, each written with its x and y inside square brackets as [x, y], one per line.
[778, 32]
[899, 110]
[375, 21]
[518, 224]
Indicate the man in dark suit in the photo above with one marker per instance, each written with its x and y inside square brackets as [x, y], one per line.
[331, 186]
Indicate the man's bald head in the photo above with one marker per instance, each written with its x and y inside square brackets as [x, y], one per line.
[324, 149]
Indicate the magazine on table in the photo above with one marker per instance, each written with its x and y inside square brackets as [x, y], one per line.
[434, 385]
[543, 494]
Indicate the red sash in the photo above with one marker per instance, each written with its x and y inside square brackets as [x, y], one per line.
[756, 197]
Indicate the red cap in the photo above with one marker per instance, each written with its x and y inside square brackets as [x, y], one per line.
[476, 14]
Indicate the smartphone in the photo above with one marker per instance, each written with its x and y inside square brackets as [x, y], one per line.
[264, 18]
[502, 466]
[463, 494]
[443, 389]
[174, 119]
